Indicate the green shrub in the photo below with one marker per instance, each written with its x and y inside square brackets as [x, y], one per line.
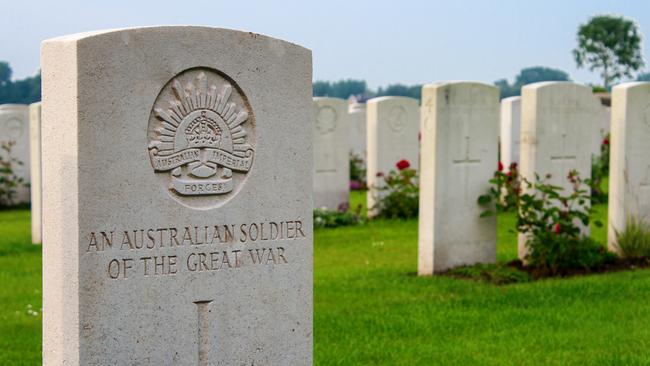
[398, 195]
[342, 217]
[599, 171]
[634, 240]
[9, 181]
[551, 222]
[357, 173]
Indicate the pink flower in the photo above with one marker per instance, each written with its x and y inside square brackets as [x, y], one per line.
[403, 164]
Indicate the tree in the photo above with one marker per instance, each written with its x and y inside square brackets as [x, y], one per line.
[24, 91]
[643, 77]
[530, 75]
[339, 89]
[413, 91]
[610, 44]
[5, 73]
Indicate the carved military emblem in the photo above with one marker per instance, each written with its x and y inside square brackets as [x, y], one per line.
[199, 132]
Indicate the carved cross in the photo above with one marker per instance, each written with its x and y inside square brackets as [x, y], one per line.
[467, 159]
[563, 156]
[203, 324]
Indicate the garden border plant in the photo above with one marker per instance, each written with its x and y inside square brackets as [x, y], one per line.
[398, 193]
[551, 220]
[9, 181]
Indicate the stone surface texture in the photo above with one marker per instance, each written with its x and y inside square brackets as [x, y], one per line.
[392, 133]
[510, 131]
[357, 129]
[177, 209]
[35, 170]
[629, 169]
[559, 121]
[14, 127]
[331, 153]
[460, 123]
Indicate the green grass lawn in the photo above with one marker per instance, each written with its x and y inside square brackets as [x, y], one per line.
[371, 309]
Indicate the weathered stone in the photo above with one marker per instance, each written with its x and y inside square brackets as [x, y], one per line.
[392, 133]
[331, 153]
[559, 123]
[460, 121]
[177, 208]
[357, 129]
[629, 169]
[14, 129]
[510, 130]
[35, 165]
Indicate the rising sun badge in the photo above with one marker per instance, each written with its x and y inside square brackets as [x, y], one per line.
[200, 137]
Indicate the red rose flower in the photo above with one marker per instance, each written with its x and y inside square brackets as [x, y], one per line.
[556, 228]
[380, 174]
[513, 165]
[403, 164]
[605, 141]
[500, 166]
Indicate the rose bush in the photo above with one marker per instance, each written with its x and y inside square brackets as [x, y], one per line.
[551, 220]
[397, 195]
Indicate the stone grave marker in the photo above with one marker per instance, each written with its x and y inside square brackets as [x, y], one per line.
[510, 130]
[460, 123]
[392, 133]
[629, 169]
[357, 129]
[559, 121]
[14, 128]
[331, 153]
[35, 171]
[177, 209]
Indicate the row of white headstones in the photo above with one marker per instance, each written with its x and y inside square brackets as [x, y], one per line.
[553, 128]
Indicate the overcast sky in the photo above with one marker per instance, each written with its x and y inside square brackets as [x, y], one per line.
[399, 41]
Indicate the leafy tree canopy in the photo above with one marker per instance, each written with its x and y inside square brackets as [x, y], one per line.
[611, 45]
[530, 75]
[22, 91]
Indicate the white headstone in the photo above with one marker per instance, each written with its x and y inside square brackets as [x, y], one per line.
[558, 123]
[35, 158]
[177, 213]
[331, 153]
[460, 122]
[392, 132]
[629, 169]
[14, 127]
[510, 130]
[357, 129]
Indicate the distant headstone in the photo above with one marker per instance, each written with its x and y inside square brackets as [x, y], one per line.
[460, 125]
[357, 129]
[629, 169]
[558, 122]
[14, 128]
[331, 153]
[35, 164]
[510, 130]
[392, 133]
[177, 208]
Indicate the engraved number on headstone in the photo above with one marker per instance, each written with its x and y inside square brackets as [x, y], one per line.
[203, 324]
